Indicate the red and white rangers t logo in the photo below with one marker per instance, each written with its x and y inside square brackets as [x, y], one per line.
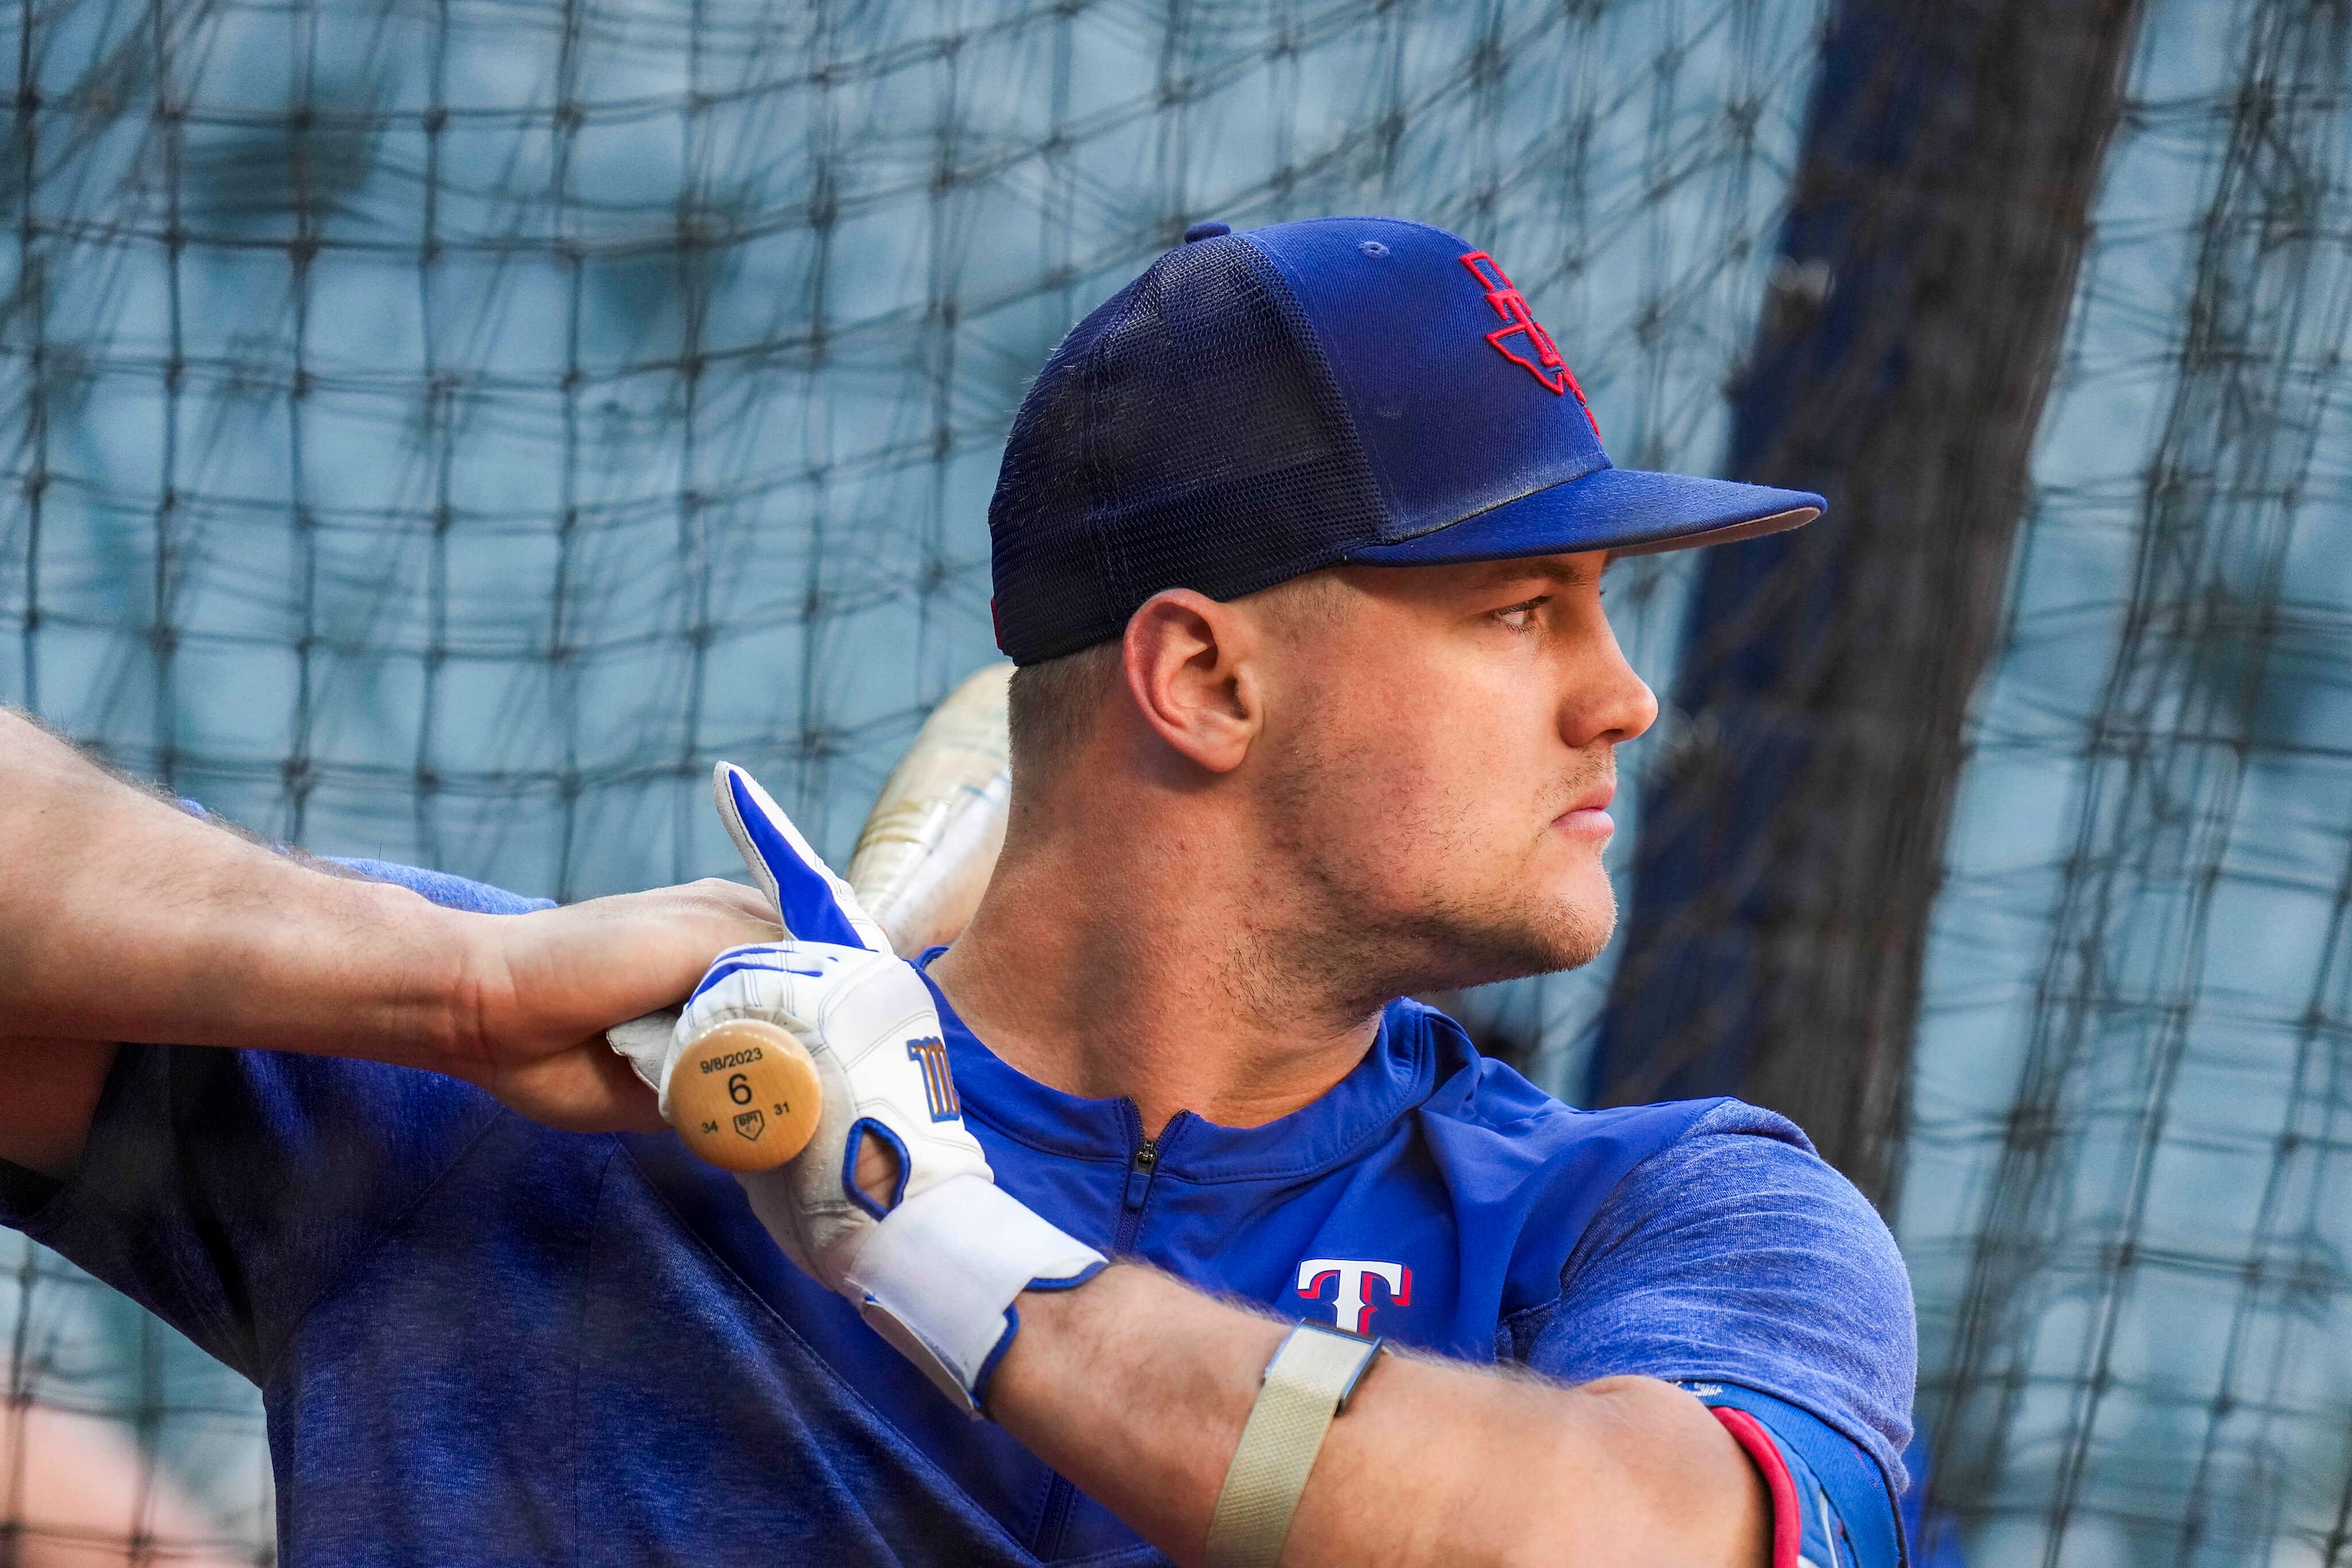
[1349, 1308]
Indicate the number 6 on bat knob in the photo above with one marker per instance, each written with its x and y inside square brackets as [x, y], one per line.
[744, 1096]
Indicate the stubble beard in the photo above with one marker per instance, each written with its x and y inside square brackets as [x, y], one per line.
[1363, 947]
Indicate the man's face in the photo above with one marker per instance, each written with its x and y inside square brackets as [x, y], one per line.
[1439, 754]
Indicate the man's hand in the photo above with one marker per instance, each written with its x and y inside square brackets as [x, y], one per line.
[921, 1240]
[540, 989]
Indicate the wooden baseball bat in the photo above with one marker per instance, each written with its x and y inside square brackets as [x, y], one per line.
[745, 1096]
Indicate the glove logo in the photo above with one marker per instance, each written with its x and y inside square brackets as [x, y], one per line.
[939, 1085]
[1518, 322]
[1350, 1309]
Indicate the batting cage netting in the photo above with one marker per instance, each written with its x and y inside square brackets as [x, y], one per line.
[438, 429]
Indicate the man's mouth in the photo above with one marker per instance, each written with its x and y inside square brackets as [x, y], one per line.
[1587, 813]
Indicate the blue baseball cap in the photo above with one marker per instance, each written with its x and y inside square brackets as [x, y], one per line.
[1260, 406]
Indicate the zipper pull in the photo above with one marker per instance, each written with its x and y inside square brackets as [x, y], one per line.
[1139, 1172]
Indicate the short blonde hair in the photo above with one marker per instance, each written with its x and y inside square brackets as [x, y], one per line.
[1052, 702]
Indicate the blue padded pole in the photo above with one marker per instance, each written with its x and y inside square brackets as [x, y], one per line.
[1792, 830]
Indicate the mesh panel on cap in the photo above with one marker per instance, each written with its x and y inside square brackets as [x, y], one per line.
[1186, 435]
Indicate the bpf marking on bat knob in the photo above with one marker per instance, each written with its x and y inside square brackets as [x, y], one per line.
[745, 1096]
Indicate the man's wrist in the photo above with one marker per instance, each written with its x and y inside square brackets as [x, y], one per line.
[373, 969]
[940, 1276]
[445, 995]
[1070, 1331]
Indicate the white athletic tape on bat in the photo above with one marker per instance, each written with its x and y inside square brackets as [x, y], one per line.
[645, 1043]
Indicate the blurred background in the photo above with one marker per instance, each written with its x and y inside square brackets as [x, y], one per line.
[438, 429]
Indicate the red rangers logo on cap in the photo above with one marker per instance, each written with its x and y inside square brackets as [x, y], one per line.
[1518, 322]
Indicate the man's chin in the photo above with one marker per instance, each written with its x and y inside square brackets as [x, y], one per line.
[1483, 952]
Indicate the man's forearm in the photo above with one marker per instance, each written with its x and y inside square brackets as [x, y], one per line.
[123, 918]
[1136, 1388]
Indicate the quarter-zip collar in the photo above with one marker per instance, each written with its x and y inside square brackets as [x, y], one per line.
[1397, 1073]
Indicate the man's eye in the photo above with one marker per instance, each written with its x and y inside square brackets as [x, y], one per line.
[1521, 617]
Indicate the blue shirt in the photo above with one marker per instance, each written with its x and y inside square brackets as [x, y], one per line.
[480, 1340]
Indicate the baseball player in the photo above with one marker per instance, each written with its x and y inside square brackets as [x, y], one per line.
[1143, 1222]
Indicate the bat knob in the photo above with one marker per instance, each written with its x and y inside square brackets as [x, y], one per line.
[745, 1096]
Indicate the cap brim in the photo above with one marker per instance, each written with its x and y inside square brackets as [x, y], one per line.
[1625, 511]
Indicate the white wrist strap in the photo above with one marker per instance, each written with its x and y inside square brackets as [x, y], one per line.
[938, 1274]
[1306, 1386]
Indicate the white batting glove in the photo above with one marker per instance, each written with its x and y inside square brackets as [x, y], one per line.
[936, 1269]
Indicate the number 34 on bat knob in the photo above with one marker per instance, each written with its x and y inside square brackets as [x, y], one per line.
[744, 1096]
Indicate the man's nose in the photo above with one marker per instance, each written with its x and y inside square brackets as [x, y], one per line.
[1606, 700]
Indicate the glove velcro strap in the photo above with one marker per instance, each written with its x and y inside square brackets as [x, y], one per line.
[937, 1276]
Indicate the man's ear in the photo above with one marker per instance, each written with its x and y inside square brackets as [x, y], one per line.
[1190, 664]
